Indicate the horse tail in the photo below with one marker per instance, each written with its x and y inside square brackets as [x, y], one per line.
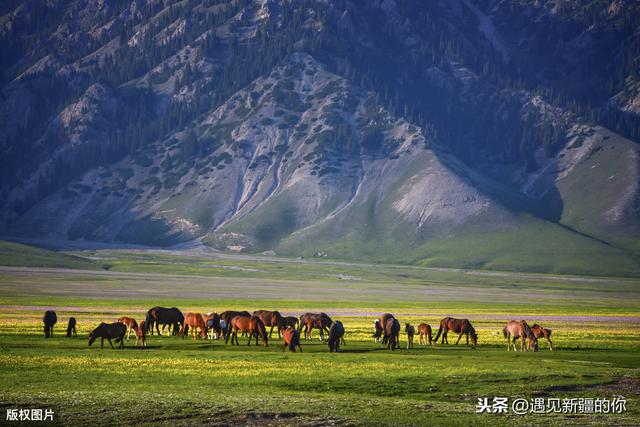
[292, 342]
[149, 320]
[504, 332]
[439, 332]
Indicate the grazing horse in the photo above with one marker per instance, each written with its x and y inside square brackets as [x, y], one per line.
[540, 332]
[288, 321]
[382, 321]
[164, 316]
[108, 331]
[141, 333]
[226, 316]
[250, 324]
[411, 331]
[131, 325]
[49, 320]
[291, 338]
[519, 329]
[320, 321]
[214, 327]
[270, 318]
[336, 334]
[378, 330]
[425, 333]
[459, 326]
[71, 327]
[194, 321]
[392, 333]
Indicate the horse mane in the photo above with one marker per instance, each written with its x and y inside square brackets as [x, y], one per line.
[262, 328]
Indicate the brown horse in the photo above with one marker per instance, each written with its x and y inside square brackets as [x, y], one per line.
[320, 321]
[212, 322]
[519, 329]
[141, 333]
[131, 325]
[378, 330]
[250, 324]
[49, 319]
[459, 326]
[336, 334]
[194, 321]
[226, 317]
[425, 333]
[270, 318]
[411, 331]
[288, 321]
[540, 332]
[291, 338]
[71, 327]
[392, 333]
[108, 331]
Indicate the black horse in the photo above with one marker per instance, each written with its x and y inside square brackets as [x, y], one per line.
[49, 320]
[71, 327]
[336, 333]
[164, 316]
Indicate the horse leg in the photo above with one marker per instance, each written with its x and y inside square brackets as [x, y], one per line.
[111, 344]
[550, 344]
[101, 343]
[459, 337]
[270, 331]
[508, 342]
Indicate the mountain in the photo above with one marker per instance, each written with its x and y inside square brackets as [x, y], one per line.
[471, 133]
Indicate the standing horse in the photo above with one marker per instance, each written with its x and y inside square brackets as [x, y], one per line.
[212, 322]
[459, 326]
[288, 321]
[226, 316]
[269, 318]
[71, 327]
[425, 333]
[164, 316]
[336, 334]
[320, 321]
[49, 320]
[250, 324]
[291, 338]
[392, 333]
[411, 331]
[194, 321]
[141, 333]
[378, 330]
[519, 329]
[131, 325]
[108, 331]
[540, 332]
[382, 321]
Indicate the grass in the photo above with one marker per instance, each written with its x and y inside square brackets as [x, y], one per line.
[16, 254]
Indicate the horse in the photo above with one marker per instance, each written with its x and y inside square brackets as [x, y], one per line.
[164, 316]
[288, 321]
[425, 333]
[519, 329]
[540, 332]
[49, 320]
[251, 324]
[131, 325]
[112, 330]
[308, 321]
[193, 321]
[212, 323]
[141, 333]
[459, 326]
[71, 327]
[392, 333]
[336, 333]
[382, 321]
[226, 316]
[291, 338]
[270, 318]
[411, 331]
[378, 330]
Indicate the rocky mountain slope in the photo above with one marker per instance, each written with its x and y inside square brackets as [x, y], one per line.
[442, 134]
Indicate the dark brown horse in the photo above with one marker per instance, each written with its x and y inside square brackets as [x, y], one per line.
[320, 321]
[71, 327]
[164, 316]
[141, 333]
[270, 319]
[250, 324]
[519, 329]
[458, 326]
[378, 330]
[291, 338]
[108, 331]
[411, 332]
[49, 319]
[540, 332]
[288, 321]
[392, 333]
[425, 333]
[214, 327]
[336, 334]
[131, 325]
[194, 321]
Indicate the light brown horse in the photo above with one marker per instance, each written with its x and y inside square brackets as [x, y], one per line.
[519, 329]
[250, 324]
[270, 319]
[291, 338]
[320, 321]
[392, 333]
[459, 326]
[194, 321]
[226, 317]
[411, 331]
[425, 333]
[141, 333]
[108, 330]
[131, 325]
[540, 332]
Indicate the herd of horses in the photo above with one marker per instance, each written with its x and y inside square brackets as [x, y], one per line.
[228, 324]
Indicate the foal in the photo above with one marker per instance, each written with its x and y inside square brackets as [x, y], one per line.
[411, 331]
[141, 333]
[425, 333]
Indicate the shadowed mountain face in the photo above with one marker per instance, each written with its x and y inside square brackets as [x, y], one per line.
[465, 133]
